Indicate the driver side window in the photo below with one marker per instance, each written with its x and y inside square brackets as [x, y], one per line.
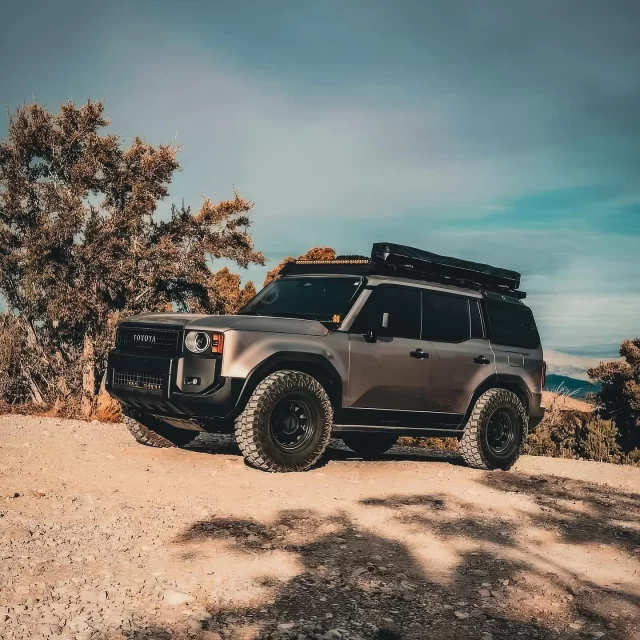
[402, 306]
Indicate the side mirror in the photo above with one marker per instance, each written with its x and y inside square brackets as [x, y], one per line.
[370, 336]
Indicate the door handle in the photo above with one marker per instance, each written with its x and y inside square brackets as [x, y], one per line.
[419, 353]
[482, 360]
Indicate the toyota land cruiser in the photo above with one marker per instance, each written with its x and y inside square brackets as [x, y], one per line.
[367, 350]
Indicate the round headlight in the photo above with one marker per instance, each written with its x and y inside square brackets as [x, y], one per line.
[197, 341]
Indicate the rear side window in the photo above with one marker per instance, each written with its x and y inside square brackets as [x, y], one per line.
[512, 324]
[403, 309]
[445, 318]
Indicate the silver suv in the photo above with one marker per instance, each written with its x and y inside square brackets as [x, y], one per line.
[367, 350]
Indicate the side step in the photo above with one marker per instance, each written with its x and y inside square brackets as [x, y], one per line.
[399, 431]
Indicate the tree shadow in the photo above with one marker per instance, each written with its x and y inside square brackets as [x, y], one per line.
[354, 580]
[354, 583]
[580, 512]
[440, 515]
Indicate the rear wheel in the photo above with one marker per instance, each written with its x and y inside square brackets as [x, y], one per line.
[496, 432]
[154, 432]
[286, 424]
[369, 445]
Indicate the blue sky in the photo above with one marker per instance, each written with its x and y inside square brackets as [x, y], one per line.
[502, 131]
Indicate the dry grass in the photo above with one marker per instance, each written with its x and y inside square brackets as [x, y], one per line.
[107, 409]
[559, 401]
[439, 444]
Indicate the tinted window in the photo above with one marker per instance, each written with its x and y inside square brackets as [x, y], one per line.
[512, 324]
[403, 307]
[445, 318]
[476, 322]
[316, 298]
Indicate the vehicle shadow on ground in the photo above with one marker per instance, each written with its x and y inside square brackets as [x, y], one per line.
[225, 444]
[358, 583]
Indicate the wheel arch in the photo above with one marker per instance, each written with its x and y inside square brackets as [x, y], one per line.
[310, 363]
[515, 384]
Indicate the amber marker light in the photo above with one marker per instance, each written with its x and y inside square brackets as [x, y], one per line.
[217, 343]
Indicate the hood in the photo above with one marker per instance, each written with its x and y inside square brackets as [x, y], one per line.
[236, 323]
[174, 319]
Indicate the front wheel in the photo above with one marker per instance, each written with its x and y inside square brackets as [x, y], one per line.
[496, 432]
[286, 424]
[369, 445]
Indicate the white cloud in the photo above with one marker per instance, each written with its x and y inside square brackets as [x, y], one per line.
[347, 172]
[326, 157]
[573, 366]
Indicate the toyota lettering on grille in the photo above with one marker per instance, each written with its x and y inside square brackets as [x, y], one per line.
[147, 340]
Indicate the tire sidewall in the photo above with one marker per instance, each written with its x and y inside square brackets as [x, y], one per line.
[503, 400]
[292, 385]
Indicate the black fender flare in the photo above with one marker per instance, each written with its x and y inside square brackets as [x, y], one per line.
[509, 382]
[312, 363]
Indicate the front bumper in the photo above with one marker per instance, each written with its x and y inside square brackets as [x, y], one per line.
[153, 384]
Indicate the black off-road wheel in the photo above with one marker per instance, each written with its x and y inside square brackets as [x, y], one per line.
[369, 445]
[496, 431]
[153, 432]
[286, 424]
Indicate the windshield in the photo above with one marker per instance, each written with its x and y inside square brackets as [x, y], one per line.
[325, 299]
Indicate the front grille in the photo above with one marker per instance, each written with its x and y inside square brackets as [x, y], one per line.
[149, 340]
[150, 381]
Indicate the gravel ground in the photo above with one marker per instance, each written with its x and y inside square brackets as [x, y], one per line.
[103, 538]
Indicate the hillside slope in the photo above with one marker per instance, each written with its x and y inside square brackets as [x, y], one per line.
[579, 388]
[564, 402]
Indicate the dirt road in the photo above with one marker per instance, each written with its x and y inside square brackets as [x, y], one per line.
[103, 538]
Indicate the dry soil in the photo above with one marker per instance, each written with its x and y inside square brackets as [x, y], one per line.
[103, 538]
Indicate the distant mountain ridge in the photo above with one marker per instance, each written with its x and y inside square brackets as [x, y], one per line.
[579, 388]
[607, 351]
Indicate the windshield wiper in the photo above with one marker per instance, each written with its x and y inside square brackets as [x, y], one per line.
[299, 316]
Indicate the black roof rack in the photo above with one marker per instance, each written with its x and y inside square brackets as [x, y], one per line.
[408, 262]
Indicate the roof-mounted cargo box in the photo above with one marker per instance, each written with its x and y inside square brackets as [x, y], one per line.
[407, 262]
[425, 263]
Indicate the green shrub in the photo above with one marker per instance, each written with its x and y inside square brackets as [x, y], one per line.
[555, 436]
[567, 433]
[598, 440]
[619, 397]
